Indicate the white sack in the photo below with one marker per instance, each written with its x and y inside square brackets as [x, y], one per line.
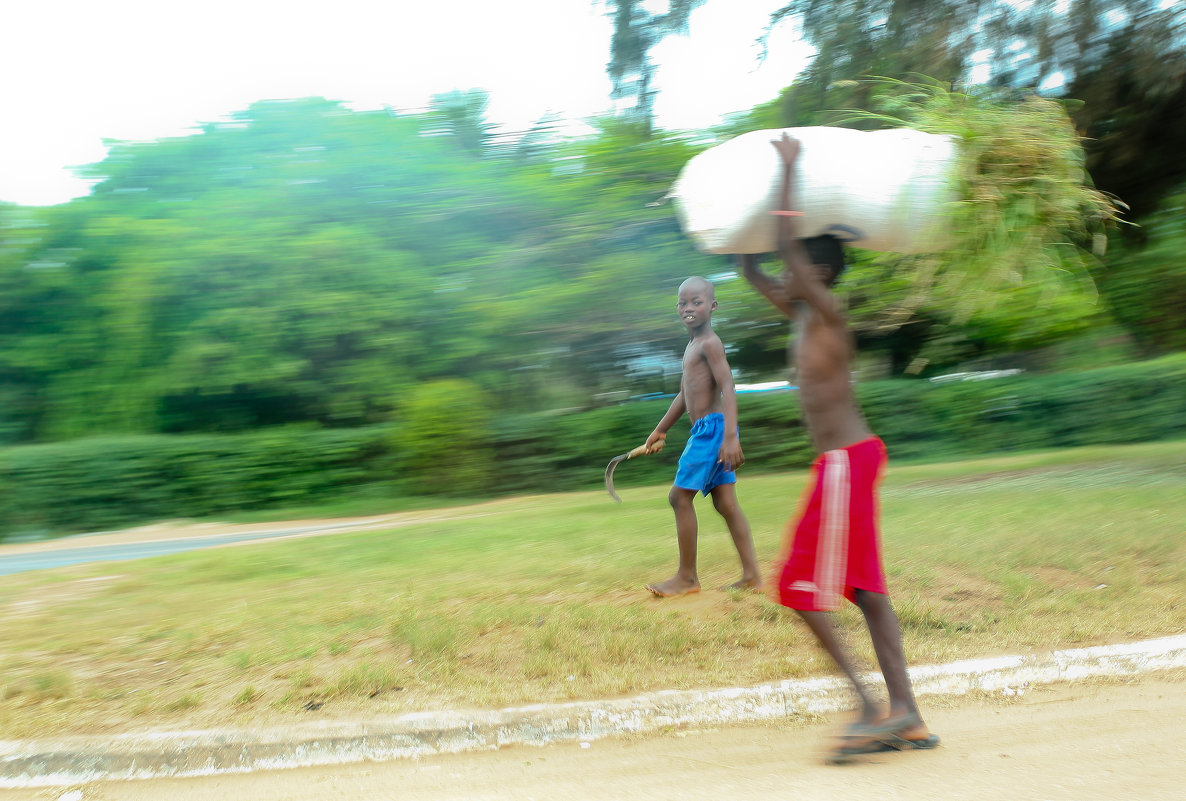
[879, 190]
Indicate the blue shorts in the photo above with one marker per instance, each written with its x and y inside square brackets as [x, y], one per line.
[699, 468]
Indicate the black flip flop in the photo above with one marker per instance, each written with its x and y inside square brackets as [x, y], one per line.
[899, 743]
[856, 743]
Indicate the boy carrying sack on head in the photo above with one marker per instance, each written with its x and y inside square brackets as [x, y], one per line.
[834, 552]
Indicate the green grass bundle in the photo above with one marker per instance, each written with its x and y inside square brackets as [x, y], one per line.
[1025, 211]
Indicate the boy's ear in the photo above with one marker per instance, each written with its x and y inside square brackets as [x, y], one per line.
[713, 307]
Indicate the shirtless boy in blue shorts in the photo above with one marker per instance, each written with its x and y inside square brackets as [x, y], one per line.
[713, 450]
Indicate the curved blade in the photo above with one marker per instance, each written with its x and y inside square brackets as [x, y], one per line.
[613, 463]
[609, 475]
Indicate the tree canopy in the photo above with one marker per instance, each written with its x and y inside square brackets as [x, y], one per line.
[304, 262]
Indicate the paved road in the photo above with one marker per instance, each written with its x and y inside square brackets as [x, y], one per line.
[169, 538]
[63, 557]
[1069, 742]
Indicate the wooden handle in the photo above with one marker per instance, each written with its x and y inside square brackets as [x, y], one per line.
[639, 451]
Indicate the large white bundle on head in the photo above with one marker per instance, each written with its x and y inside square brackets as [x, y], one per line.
[880, 190]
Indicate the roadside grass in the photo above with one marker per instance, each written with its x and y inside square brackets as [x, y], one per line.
[540, 598]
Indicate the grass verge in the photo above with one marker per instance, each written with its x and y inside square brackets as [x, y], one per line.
[538, 599]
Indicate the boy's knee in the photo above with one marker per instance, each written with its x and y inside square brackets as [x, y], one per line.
[679, 497]
[724, 502]
[868, 601]
[725, 508]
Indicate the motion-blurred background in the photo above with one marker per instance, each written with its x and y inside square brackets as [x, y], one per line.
[307, 298]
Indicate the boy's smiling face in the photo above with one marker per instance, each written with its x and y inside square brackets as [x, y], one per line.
[695, 302]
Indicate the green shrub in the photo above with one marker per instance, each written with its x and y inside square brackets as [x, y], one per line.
[106, 482]
[1130, 403]
[443, 442]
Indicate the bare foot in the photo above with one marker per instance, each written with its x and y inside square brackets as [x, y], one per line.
[754, 584]
[674, 586]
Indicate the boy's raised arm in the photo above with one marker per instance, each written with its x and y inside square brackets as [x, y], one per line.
[804, 281]
[772, 290]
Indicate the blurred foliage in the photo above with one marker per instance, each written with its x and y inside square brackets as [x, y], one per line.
[879, 37]
[1125, 62]
[1136, 402]
[1145, 280]
[304, 264]
[104, 482]
[1122, 67]
[917, 333]
[444, 438]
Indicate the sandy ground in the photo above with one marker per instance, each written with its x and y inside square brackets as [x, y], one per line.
[1084, 742]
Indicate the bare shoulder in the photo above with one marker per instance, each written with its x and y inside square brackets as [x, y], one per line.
[710, 344]
[702, 346]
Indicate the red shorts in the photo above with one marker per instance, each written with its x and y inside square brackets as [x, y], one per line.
[836, 547]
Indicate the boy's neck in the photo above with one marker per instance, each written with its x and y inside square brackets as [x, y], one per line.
[700, 330]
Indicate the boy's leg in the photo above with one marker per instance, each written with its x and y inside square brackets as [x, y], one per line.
[886, 634]
[724, 500]
[685, 579]
[821, 626]
[903, 729]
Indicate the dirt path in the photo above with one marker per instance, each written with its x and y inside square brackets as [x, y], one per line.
[1081, 742]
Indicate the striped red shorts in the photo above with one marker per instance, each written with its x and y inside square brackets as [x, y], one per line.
[836, 547]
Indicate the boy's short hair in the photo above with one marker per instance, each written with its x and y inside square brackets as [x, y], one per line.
[828, 251]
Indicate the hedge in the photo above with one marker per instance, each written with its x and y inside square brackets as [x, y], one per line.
[108, 482]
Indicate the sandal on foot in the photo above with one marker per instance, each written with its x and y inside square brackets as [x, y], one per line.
[900, 743]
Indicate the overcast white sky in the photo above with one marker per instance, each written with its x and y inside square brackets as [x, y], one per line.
[76, 72]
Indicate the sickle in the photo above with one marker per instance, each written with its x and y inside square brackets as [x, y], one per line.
[614, 462]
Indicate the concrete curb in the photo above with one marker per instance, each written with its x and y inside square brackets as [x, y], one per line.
[74, 760]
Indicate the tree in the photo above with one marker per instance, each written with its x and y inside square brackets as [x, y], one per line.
[1133, 113]
[35, 296]
[461, 116]
[1123, 63]
[636, 31]
[885, 37]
